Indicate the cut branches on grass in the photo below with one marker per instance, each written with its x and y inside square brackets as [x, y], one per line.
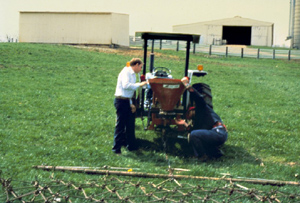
[167, 176]
[56, 108]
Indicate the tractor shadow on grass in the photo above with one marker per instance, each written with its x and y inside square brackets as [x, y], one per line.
[181, 148]
[238, 155]
[172, 146]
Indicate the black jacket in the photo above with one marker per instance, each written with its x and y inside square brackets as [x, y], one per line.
[205, 117]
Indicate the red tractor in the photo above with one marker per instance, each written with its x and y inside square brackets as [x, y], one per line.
[165, 98]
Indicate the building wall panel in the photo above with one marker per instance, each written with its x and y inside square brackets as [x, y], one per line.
[211, 31]
[71, 28]
[261, 36]
[120, 29]
[213, 34]
[195, 28]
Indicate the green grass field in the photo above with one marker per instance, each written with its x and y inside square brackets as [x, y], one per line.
[56, 108]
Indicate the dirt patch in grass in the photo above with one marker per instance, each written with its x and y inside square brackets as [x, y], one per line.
[293, 164]
[134, 52]
[107, 49]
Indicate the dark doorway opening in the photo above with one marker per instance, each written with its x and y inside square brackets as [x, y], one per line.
[237, 35]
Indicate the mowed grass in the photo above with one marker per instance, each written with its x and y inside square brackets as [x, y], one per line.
[56, 108]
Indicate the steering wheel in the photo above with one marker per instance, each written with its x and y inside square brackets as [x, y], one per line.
[161, 72]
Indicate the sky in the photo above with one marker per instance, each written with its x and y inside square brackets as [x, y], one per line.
[156, 15]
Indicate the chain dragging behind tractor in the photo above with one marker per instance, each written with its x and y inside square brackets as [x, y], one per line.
[167, 103]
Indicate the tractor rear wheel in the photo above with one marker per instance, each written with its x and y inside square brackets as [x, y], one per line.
[205, 90]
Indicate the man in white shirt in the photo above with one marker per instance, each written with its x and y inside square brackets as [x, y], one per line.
[124, 134]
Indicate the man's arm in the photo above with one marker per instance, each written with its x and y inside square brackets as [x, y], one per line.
[127, 84]
[193, 92]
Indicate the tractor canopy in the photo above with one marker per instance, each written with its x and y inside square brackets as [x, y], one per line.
[188, 38]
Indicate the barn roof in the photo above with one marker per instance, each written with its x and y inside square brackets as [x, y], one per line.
[235, 21]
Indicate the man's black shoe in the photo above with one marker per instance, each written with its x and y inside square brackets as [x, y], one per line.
[131, 148]
[118, 152]
[124, 143]
[217, 154]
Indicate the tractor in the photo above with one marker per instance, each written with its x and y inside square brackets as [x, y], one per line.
[165, 98]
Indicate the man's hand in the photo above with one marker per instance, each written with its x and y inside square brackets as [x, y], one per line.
[133, 108]
[143, 83]
[185, 81]
[180, 122]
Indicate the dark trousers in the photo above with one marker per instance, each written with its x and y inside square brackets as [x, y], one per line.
[207, 142]
[125, 126]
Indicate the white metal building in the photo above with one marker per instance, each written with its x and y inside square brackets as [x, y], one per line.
[74, 28]
[235, 30]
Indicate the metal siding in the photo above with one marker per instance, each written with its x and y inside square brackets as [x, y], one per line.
[261, 36]
[195, 28]
[296, 39]
[60, 27]
[212, 30]
[120, 29]
[213, 33]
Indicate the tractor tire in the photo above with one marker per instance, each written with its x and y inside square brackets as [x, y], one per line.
[205, 90]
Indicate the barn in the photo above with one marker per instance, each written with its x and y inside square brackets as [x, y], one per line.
[237, 30]
[103, 28]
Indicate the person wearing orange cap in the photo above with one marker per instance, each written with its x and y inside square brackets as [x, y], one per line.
[124, 134]
[207, 131]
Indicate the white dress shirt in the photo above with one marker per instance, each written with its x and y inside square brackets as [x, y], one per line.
[126, 84]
